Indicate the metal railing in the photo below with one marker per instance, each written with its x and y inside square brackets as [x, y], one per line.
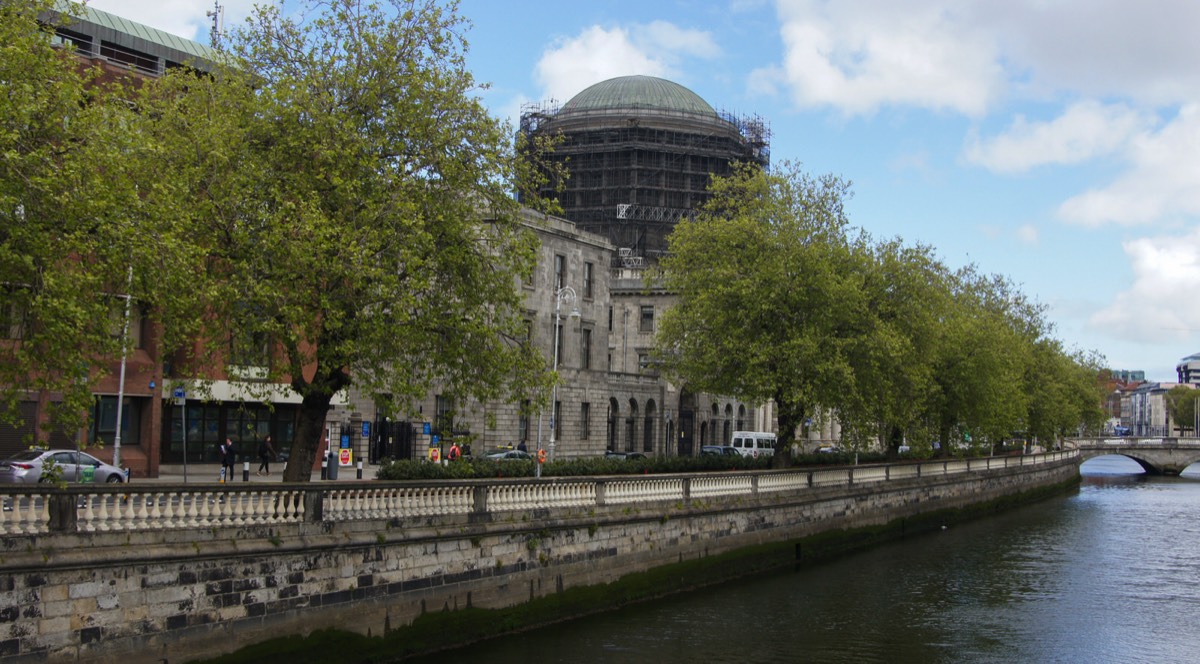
[42, 509]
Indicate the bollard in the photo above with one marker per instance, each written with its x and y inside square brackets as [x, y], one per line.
[245, 471]
[360, 470]
[325, 466]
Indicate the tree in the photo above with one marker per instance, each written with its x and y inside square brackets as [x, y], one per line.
[1181, 403]
[767, 293]
[354, 199]
[67, 244]
[906, 296]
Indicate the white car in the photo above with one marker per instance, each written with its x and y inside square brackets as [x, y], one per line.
[72, 466]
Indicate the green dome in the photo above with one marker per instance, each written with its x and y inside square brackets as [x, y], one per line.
[638, 93]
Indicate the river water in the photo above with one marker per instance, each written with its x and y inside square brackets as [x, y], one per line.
[1110, 573]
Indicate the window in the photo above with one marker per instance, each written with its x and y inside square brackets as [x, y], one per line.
[585, 420]
[443, 423]
[560, 271]
[12, 316]
[116, 322]
[610, 318]
[556, 420]
[558, 340]
[585, 349]
[587, 281]
[104, 420]
[523, 421]
[647, 319]
[643, 362]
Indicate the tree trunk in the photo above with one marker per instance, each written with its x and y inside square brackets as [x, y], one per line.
[310, 432]
[790, 416]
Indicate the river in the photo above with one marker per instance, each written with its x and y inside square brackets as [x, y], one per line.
[1106, 574]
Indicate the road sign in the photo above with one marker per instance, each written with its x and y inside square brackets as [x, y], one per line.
[366, 429]
[179, 393]
[344, 457]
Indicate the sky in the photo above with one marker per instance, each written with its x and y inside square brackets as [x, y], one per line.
[1055, 142]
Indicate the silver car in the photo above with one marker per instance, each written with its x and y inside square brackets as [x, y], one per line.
[26, 467]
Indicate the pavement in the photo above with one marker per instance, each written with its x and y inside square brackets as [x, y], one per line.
[209, 473]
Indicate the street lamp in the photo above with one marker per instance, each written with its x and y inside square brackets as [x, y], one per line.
[564, 294]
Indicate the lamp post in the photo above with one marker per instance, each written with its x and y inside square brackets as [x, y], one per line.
[564, 294]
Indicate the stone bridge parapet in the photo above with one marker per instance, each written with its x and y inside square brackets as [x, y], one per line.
[1157, 455]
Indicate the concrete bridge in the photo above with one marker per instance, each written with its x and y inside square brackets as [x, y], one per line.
[1158, 456]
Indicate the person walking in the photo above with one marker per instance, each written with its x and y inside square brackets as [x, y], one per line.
[265, 452]
[227, 459]
[455, 453]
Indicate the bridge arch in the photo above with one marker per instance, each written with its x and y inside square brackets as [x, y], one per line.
[1157, 456]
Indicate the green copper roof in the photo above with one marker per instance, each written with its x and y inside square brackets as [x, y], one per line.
[152, 35]
[638, 92]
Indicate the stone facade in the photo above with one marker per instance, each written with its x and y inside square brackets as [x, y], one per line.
[610, 397]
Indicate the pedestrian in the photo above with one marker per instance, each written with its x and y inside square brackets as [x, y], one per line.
[265, 452]
[455, 453]
[521, 446]
[227, 459]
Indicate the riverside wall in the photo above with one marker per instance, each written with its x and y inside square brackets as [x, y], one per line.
[371, 560]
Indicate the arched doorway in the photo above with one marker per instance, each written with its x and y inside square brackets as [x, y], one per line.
[614, 412]
[687, 423]
[648, 427]
[631, 427]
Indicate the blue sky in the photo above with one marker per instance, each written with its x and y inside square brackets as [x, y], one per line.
[1055, 142]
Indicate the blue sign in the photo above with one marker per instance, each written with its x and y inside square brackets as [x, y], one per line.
[428, 429]
[434, 441]
[366, 430]
[179, 393]
[345, 440]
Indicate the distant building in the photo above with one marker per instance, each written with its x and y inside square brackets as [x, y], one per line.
[1128, 375]
[1188, 369]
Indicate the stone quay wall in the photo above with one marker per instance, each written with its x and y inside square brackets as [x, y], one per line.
[174, 574]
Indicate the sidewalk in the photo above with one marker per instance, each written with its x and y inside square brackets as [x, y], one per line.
[209, 473]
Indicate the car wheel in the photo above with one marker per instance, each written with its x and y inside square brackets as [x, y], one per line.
[114, 479]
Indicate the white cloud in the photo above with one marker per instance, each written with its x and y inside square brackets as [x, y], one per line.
[1028, 234]
[1084, 130]
[1163, 181]
[597, 53]
[1159, 305]
[862, 55]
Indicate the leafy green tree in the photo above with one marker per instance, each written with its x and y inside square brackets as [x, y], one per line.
[354, 199]
[67, 242]
[979, 362]
[768, 294]
[1181, 403]
[905, 290]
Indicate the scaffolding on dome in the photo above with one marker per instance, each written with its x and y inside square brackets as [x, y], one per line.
[634, 173]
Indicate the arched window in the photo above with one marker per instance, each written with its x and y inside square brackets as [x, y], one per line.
[614, 412]
[648, 427]
[631, 427]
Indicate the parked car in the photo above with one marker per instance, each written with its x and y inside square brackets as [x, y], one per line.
[27, 467]
[509, 455]
[718, 450]
[829, 449]
[623, 455]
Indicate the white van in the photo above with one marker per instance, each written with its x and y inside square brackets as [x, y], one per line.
[753, 443]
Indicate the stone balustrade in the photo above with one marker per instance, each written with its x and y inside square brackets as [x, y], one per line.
[115, 508]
